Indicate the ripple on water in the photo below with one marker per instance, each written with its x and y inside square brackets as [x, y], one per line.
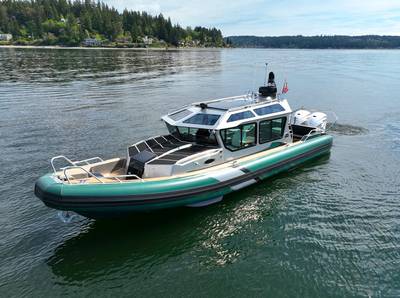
[329, 228]
[347, 129]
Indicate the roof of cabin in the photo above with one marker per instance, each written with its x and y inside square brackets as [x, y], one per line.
[227, 112]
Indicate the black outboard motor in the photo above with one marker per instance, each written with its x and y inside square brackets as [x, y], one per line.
[270, 89]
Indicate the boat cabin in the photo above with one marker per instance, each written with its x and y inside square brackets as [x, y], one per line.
[212, 132]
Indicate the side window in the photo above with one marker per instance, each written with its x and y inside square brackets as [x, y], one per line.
[271, 129]
[265, 131]
[249, 135]
[187, 134]
[173, 130]
[239, 137]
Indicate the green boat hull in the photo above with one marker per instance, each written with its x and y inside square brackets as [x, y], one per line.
[118, 199]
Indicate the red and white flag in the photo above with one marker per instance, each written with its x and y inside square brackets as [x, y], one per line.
[285, 88]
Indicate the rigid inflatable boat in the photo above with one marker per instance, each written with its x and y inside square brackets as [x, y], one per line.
[212, 148]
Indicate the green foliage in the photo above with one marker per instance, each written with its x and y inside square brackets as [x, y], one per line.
[317, 42]
[68, 22]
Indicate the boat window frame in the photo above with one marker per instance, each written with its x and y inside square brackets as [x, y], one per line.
[241, 136]
[272, 139]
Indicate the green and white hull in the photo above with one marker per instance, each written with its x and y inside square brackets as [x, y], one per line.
[192, 189]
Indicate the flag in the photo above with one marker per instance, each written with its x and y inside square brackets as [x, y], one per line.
[285, 88]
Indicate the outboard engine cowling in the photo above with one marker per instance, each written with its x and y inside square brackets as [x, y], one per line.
[301, 117]
[317, 120]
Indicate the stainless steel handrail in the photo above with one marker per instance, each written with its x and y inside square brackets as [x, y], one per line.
[74, 163]
[96, 177]
[204, 101]
[59, 157]
[89, 159]
[79, 167]
[251, 96]
[125, 176]
[313, 131]
[170, 151]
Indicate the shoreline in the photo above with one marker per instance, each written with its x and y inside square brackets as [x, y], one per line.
[178, 49]
[106, 48]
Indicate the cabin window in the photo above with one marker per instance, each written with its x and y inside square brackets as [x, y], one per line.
[275, 108]
[240, 116]
[180, 115]
[198, 135]
[187, 134]
[240, 137]
[203, 119]
[271, 130]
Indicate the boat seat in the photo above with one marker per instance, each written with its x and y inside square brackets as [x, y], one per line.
[142, 146]
[161, 140]
[153, 144]
[132, 151]
[138, 161]
[236, 139]
[172, 139]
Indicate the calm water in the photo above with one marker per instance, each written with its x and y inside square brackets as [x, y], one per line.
[331, 228]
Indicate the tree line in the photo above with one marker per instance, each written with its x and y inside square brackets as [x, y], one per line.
[316, 42]
[69, 22]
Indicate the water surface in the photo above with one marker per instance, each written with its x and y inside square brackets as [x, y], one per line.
[330, 228]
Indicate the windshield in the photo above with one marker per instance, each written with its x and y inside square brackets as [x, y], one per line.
[189, 134]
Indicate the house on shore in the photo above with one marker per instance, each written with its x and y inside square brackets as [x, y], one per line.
[147, 40]
[5, 37]
[91, 42]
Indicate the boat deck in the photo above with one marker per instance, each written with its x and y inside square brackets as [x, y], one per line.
[161, 145]
[110, 177]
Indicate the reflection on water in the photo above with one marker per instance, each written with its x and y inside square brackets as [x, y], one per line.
[159, 237]
[108, 67]
[329, 228]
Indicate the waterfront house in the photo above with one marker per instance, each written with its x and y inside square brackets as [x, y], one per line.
[147, 40]
[5, 37]
[91, 42]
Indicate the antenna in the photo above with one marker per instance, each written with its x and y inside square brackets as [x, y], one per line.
[266, 74]
[254, 76]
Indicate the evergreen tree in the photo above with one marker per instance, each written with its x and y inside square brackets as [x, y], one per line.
[69, 22]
